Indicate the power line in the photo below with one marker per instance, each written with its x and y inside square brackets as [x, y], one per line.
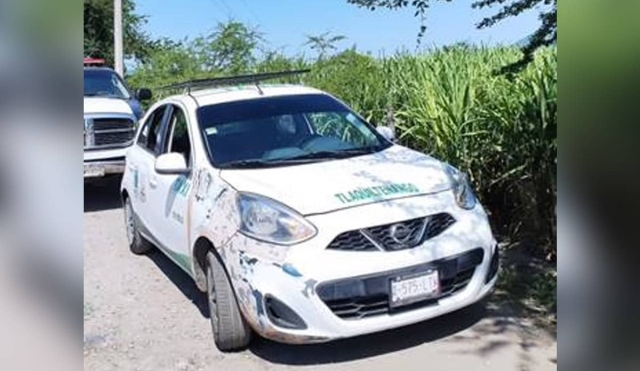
[253, 14]
[218, 7]
[229, 11]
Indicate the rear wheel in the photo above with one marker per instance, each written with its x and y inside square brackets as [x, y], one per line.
[230, 330]
[137, 244]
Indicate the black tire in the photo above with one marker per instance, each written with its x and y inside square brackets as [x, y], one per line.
[137, 244]
[230, 331]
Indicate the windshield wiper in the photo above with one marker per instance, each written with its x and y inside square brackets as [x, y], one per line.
[256, 164]
[334, 154]
[250, 164]
[302, 159]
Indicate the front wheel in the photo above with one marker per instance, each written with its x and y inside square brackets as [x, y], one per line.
[230, 330]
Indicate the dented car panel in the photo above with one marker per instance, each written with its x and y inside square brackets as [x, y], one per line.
[292, 274]
[353, 238]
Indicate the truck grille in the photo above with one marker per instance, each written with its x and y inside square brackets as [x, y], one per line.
[108, 132]
[361, 297]
[113, 138]
[394, 236]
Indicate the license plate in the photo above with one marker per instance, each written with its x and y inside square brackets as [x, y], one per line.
[407, 290]
[93, 171]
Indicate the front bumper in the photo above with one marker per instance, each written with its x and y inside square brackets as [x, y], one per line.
[103, 168]
[305, 278]
[99, 163]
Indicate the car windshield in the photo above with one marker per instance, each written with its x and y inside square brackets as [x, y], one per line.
[284, 130]
[104, 83]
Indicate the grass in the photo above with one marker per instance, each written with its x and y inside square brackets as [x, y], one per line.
[450, 103]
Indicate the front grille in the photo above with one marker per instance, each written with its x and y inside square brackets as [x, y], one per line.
[112, 124]
[438, 224]
[383, 236]
[353, 240]
[394, 236]
[113, 138]
[361, 297]
[109, 132]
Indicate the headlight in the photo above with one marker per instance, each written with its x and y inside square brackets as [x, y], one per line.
[461, 188]
[269, 221]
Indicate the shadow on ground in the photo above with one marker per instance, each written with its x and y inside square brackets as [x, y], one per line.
[370, 345]
[530, 284]
[102, 194]
[182, 280]
[337, 351]
[485, 328]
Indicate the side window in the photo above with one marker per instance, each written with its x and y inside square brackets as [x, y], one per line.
[178, 135]
[150, 135]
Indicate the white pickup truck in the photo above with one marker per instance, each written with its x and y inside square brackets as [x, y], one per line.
[111, 113]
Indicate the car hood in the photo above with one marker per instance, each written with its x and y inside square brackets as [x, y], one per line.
[332, 185]
[97, 105]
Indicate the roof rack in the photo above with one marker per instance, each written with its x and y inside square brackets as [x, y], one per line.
[232, 80]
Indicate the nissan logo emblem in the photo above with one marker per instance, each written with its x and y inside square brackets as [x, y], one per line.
[400, 233]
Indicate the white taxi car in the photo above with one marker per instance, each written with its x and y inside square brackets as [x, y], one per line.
[301, 221]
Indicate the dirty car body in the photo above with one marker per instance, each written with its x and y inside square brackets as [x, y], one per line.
[326, 228]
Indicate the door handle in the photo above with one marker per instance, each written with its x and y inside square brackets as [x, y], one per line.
[153, 182]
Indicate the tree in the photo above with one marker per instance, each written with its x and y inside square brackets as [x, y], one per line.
[168, 62]
[231, 47]
[546, 34]
[98, 31]
[322, 44]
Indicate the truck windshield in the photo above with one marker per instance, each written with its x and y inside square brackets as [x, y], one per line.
[104, 83]
[277, 131]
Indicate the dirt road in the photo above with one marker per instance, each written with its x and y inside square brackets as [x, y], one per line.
[144, 313]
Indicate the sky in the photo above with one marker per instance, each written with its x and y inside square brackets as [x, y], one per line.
[285, 24]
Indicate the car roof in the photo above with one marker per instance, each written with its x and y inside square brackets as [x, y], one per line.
[218, 95]
[99, 68]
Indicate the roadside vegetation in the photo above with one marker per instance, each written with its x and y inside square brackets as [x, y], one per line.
[451, 102]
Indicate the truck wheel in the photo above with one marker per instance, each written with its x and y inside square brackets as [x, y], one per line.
[230, 330]
[137, 244]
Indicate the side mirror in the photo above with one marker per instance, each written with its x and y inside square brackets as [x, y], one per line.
[143, 94]
[387, 132]
[171, 164]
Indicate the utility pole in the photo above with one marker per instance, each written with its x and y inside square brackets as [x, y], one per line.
[117, 35]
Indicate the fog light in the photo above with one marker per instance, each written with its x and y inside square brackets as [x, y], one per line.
[493, 266]
[281, 315]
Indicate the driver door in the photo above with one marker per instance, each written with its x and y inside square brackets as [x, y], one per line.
[170, 197]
